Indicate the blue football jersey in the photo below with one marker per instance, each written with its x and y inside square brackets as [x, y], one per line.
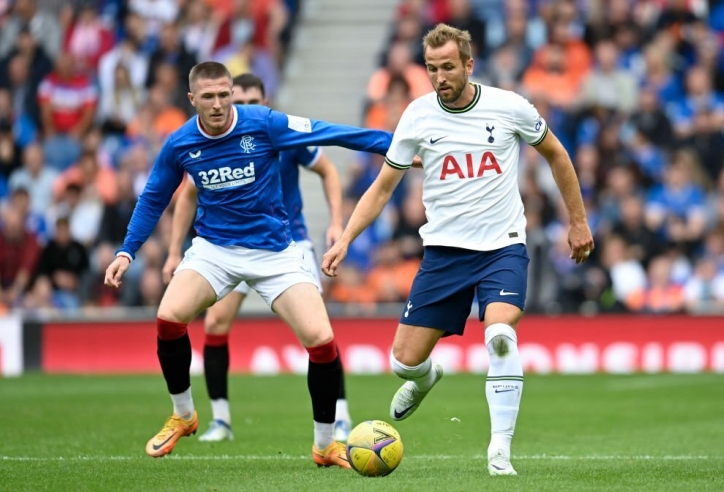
[240, 201]
[289, 163]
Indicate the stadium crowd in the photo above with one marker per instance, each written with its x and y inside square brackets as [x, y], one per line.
[89, 90]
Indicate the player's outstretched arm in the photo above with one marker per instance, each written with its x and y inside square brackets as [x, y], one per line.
[332, 185]
[162, 183]
[183, 215]
[287, 131]
[367, 210]
[580, 238]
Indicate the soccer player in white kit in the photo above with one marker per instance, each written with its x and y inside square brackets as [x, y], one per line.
[468, 138]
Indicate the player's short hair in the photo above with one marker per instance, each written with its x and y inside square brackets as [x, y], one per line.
[207, 70]
[442, 33]
[249, 81]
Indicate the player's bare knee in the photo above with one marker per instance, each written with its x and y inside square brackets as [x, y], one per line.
[217, 325]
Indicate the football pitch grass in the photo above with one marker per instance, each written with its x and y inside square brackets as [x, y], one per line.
[575, 433]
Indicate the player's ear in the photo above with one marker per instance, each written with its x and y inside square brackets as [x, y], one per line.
[469, 66]
[191, 99]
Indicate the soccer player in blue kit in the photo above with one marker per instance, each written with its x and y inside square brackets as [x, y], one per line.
[249, 89]
[243, 234]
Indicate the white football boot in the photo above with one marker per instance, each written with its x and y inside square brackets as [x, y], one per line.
[408, 397]
[218, 431]
[499, 464]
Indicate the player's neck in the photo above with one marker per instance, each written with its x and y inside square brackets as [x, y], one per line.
[229, 121]
[465, 98]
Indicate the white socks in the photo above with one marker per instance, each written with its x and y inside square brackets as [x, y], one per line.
[220, 410]
[323, 435]
[341, 412]
[183, 404]
[423, 376]
[504, 385]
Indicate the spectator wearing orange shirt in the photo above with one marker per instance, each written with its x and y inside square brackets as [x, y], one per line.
[91, 177]
[399, 62]
[661, 295]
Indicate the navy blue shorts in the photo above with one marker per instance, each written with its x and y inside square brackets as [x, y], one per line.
[445, 286]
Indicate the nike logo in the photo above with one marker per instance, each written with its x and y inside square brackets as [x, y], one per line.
[156, 447]
[434, 141]
[497, 467]
[399, 415]
[504, 391]
[503, 293]
[195, 155]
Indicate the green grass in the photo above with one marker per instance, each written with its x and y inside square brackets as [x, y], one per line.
[574, 433]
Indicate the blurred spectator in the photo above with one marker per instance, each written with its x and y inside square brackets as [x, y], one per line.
[651, 120]
[642, 242]
[628, 277]
[399, 62]
[19, 252]
[43, 26]
[34, 222]
[67, 104]
[392, 275]
[64, 262]
[608, 85]
[87, 39]
[250, 58]
[22, 70]
[385, 113]
[88, 175]
[704, 291]
[170, 51]
[83, 211]
[157, 119]
[35, 177]
[128, 54]
[116, 216]
[155, 13]
[675, 209]
[199, 29]
[660, 295]
[120, 105]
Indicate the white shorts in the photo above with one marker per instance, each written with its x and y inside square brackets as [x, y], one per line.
[310, 259]
[268, 272]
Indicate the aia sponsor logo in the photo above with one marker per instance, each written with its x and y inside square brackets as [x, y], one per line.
[469, 166]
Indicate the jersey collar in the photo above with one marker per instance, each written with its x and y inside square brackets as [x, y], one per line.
[234, 119]
[471, 105]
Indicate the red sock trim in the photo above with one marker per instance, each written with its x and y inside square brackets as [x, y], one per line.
[169, 330]
[216, 340]
[323, 354]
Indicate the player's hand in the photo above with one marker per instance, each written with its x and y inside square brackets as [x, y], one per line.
[169, 267]
[580, 240]
[334, 232]
[115, 271]
[333, 257]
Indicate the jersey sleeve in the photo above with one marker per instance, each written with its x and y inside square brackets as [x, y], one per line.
[528, 123]
[404, 142]
[165, 177]
[288, 132]
[307, 156]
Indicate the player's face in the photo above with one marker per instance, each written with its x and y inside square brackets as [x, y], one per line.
[212, 100]
[252, 95]
[447, 72]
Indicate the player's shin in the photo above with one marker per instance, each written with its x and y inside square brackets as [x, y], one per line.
[174, 354]
[216, 373]
[504, 385]
[324, 379]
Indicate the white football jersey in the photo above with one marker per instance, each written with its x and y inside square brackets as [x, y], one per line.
[470, 160]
